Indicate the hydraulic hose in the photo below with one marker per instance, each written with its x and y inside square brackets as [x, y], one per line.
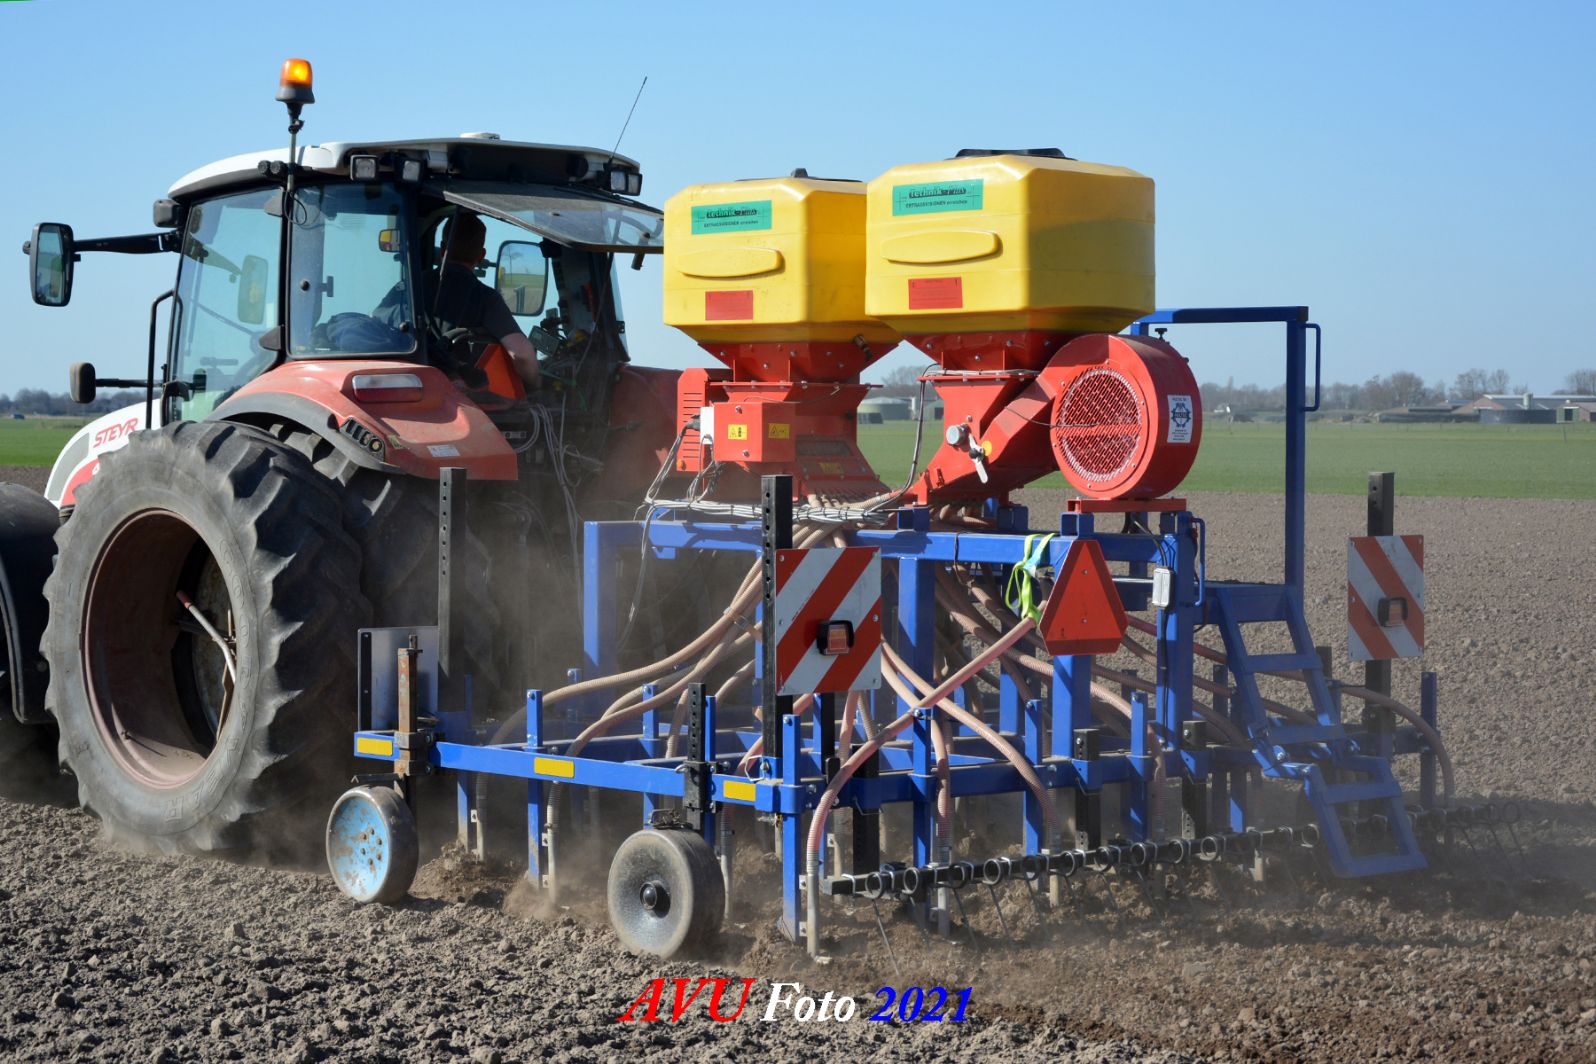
[1026, 770]
[1217, 720]
[1150, 656]
[973, 624]
[604, 724]
[979, 662]
[515, 724]
[850, 712]
[1013, 660]
[1431, 736]
[942, 766]
[817, 823]
[735, 680]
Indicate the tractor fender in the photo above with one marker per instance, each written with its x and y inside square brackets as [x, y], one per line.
[27, 554]
[411, 431]
[80, 458]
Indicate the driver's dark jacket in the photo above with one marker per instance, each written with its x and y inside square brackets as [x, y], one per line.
[463, 302]
[460, 302]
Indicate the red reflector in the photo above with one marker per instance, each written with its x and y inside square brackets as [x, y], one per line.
[385, 387]
[836, 638]
[1084, 614]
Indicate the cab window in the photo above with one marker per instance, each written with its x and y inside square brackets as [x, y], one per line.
[350, 293]
[227, 295]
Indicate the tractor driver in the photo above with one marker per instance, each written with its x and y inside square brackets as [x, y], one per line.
[461, 301]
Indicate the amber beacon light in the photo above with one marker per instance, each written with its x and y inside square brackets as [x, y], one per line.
[293, 87]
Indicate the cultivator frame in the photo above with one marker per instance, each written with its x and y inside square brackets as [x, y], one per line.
[1359, 822]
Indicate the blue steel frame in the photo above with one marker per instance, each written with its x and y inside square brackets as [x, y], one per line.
[789, 786]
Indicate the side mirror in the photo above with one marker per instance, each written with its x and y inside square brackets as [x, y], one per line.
[521, 275]
[50, 259]
[81, 382]
[169, 214]
[253, 281]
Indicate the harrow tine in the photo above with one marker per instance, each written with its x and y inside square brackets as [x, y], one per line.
[997, 907]
[1075, 898]
[1108, 886]
[964, 917]
[875, 907]
[1219, 886]
[1147, 891]
[1035, 891]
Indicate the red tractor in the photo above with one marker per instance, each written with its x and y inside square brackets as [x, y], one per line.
[216, 547]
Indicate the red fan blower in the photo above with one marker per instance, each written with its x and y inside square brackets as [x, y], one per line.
[1119, 416]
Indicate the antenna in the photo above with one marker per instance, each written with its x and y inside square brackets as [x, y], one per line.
[628, 121]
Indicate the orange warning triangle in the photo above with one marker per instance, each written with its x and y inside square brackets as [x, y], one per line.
[1084, 614]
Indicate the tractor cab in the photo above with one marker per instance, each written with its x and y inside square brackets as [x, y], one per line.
[366, 254]
[338, 254]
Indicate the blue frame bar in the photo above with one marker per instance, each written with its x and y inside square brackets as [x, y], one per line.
[1295, 319]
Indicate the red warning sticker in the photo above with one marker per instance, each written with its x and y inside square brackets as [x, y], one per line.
[936, 293]
[735, 305]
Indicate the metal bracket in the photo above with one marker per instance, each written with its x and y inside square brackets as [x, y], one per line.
[697, 778]
[776, 529]
[415, 734]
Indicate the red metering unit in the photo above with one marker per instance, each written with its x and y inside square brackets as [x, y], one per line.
[768, 276]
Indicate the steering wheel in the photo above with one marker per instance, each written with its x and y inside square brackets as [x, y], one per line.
[461, 332]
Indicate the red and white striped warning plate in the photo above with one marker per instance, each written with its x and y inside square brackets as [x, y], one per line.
[1385, 597]
[818, 587]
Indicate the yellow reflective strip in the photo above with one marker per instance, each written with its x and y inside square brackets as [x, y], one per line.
[553, 766]
[739, 790]
[375, 747]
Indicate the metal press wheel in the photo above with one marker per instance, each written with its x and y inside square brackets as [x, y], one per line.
[666, 894]
[372, 846]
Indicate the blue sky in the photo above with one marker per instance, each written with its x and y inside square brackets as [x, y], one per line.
[1419, 174]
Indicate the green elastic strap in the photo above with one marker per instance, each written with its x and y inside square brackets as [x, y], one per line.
[1020, 595]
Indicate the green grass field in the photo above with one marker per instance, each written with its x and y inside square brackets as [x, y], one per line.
[35, 441]
[1499, 461]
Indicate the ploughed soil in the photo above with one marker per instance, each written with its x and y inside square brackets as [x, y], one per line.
[1489, 956]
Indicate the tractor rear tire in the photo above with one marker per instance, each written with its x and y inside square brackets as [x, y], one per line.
[394, 522]
[229, 732]
[27, 750]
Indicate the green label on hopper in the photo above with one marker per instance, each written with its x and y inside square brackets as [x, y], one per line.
[731, 217]
[937, 196]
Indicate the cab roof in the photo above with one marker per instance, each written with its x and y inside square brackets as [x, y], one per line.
[477, 156]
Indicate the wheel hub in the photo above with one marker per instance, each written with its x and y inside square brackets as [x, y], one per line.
[655, 897]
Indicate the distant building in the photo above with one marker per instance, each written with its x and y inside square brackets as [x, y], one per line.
[889, 407]
[1577, 410]
[1531, 409]
[1442, 412]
